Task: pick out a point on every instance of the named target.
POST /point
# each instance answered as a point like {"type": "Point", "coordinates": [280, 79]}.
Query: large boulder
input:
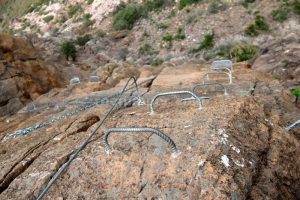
{"type": "Point", "coordinates": [113, 73]}
{"type": "Point", "coordinates": [23, 74]}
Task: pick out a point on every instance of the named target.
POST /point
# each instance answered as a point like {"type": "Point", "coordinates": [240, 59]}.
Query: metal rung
{"type": "Point", "coordinates": [166, 138]}
{"type": "Point", "coordinates": [174, 93]}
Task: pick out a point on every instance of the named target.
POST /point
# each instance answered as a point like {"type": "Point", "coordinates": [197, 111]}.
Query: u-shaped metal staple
{"type": "Point", "coordinates": [175, 93]}
{"type": "Point", "coordinates": [204, 84]}
{"type": "Point", "coordinates": [227, 73]}
{"type": "Point", "coordinates": [166, 138]}
{"type": "Point", "coordinates": [294, 125]}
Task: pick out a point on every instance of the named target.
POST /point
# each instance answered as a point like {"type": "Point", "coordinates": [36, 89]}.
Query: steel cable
{"type": "Point", "coordinates": [82, 146]}
{"type": "Point", "coordinates": [24, 131]}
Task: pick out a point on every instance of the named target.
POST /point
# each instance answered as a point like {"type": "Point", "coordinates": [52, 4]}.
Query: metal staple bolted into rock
{"type": "Point", "coordinates": [228, 74]}
{"type": "Point", "coordinates": [205, 97]}
{"type": "Point", "coordinates": [174, 93]}
{"type": "Point", "coordinates": [152, 130]}
{"type": "Point", "coordinates": [294, 125]}
{"type": "Point", "coordinates": [205, 84]}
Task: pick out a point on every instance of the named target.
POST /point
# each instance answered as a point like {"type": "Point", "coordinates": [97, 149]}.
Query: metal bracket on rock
{"type": "Point", "coordinates": [294, 125]}
{"type": "Point", "coordinates": [174, 93]}
{"type": "Point", "coordinates": [227, 73]}
{"type": "Point", "coordinates": [166, 138]}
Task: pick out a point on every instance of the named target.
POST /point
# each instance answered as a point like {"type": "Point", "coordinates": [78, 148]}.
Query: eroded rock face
{"type": "Point", "coordinates": [23, 75]}
{"type": "Point", "coordinates": [113, 73]}
{"type": "Point", "coordinates": [281, 58]}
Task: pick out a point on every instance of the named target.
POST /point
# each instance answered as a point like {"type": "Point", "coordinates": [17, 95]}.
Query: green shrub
{"type": "Point", "coordinates": [172, 14]}
{"type": "Point", "coordinates": [251, 30]}
{"type": "Point", "coordinates": [246, 3]}
{"type": "Point", "coordinates": [296, 92]}
{"type": "Point", "coordinates": [243, 52]}
{"type": "Point", "coordinates": [73, 9]}
{"type": "Point", "coordinates": [261, 23]}
{"type": "Point", "coordinates": [216, 6]}
{"type": "Point", "coordinates": [207, 43]}
{"type": "Point", "coordinates": [155, 5]}
{"type": "Point", "coordinates": [184, 3]}
{"type": "Point", "coordinates": [36, 5]}
{"type": "Point", "coordinates": [162, 26]}
{"type": "Point", "coordinates": [157, 62]}
{"type": "Point", "coordinates": [147, 49]}
{"type": "Point", "coordinates": [281, 14]}
{"type": "Point", "coordinates": [86, 20]}
{"type": "Point", "coordinates": [168, 39]}
{"type": "Point", "coordinates": [69, 50]}
{"type": "Point", "coordinates": [126, 15]}
{"type": "Point", "coordinates": [62, 19]}
{"type": "Point", "coordinates": [180, 35]}
{"type": "Point", "coordinates": [89, 2]}
{"type": "Point", "coordinates": [82, 40]}
{"type": "Point", "coordinates": [48, 18]}
{"type": "Point", "coordinates": [296, 7]}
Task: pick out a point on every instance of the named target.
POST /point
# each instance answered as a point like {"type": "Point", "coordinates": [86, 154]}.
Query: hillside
{"type": "Point", "coordinates": [264, 32]}
{"type": "Point", "coordinates": [74, 123]}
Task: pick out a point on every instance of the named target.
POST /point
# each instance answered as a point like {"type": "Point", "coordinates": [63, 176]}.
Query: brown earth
{"type": "Point", "coordinates": [236, 147]}
{"type": "Point", "coordinates": [24, 76]}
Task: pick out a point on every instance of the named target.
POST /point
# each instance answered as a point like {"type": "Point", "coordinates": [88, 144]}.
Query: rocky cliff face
{"type": "Point", "coordinates": [236, 147]}
{"type": "Point", "coordinates": [24, 76]}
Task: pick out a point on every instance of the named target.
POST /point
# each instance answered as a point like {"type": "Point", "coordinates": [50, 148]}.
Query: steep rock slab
{"type": "Point", "coordinates": [23, 75]}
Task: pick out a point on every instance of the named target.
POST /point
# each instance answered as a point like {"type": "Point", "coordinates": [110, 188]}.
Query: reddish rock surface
{"type": "Point", "coordinates": [235, 148]}
{"type": "Point", "coordinates": [23, 74]}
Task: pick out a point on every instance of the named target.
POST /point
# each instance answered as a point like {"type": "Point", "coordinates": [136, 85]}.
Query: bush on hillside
{"type": "Point", "coordinates": [180, 35]}
{"type": "Point", "coordinates": [147, 49]}
{"type": "Point", "coordinates": [296, 6]}
{"type": "Point", "coordinates": [207, 43]}
{"type": "Point", "coordinates": [296, 93]}
{"type": "Point", "coordinates": [157, 62]}
{"type": "Point", "coordinates": [82, 40]}
{"type": "Point", "coordinates": [73, 9]}
{"type": "Point", "coordinates": [243, 52]}
{"type": "Point", "coordinates": [184, 3]}
{"type": "Point", "coordinates": [126, 15]}
{"type": "Point", "coordinates": [48, 18]}
{"type": "Point", "coordinates": [259, 24]}
{"type": "Point", "coordinates": [89, 2]}
{"type": "Point", "coordinates": [168, 39]}
{"type": "Point", "coordinates": [281, 14]}
{"type": "Point", "coordinates": [69, 50]}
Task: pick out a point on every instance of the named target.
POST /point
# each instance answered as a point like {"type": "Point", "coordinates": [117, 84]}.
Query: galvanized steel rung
{"type": "Point", "coordinates": [204, 84]}
{"type": "Point", "coordinates": [294, 125]}
{"type": "Point", "coordinates": [228, 74]}
{"type": "Point", "coordinates": [166, 138]}
{"type": "Point", "coordinates": [174, 93]}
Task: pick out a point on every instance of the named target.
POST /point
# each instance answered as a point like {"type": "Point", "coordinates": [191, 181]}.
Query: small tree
{"type": "Point", "coordinates": [69, 50]}
{"type": "Point", "coordinates": [296, 92]}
